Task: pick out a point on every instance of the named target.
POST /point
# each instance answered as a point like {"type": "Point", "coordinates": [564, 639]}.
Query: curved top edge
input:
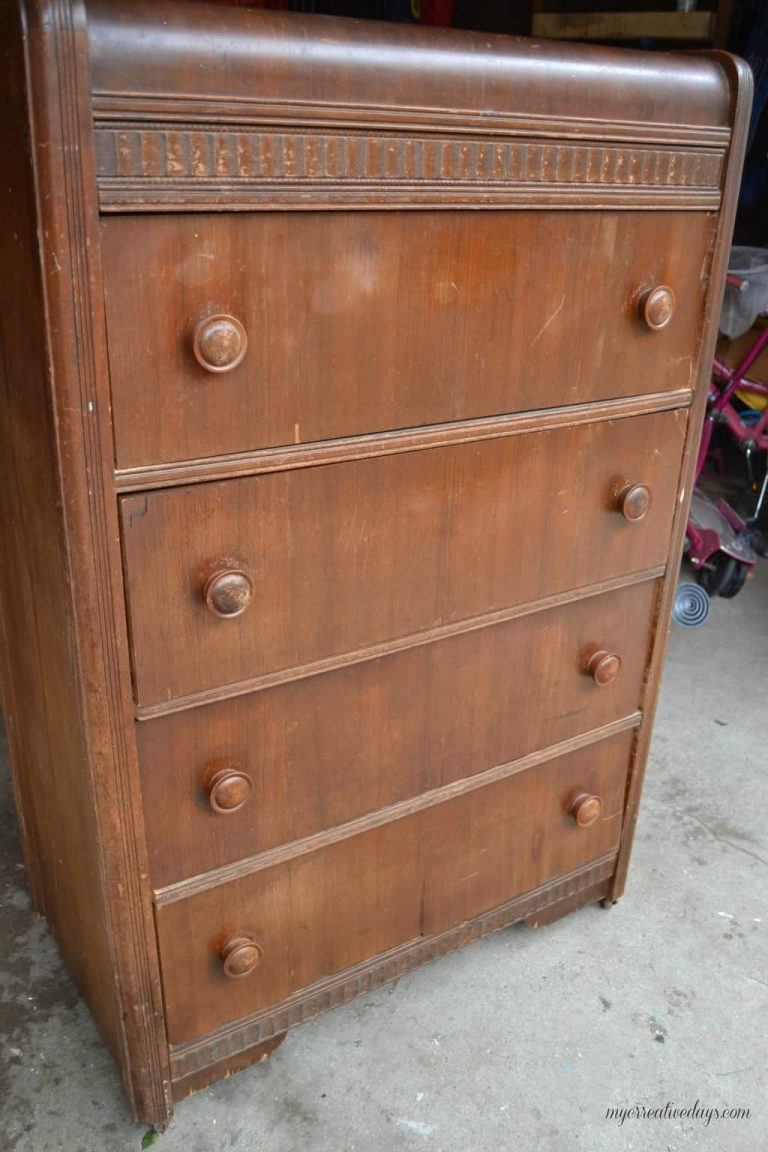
{"type": "Point", "coordinates": [206, 52]}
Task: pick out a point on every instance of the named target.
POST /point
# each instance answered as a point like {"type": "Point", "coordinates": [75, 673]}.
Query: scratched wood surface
{"type": "Point", "coordinates": [367, 322]}
{"type": "Point", "coordinates": [324, 401]}
{"type": "Point", "coordinates": [360, 554]}
{"type": "Point", "coordinates": [486, 700]}
{"type": "Point", "coordinates": [415, 876]}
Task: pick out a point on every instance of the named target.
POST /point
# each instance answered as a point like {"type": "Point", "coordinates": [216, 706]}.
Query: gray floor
{"type": "Point", "coordinates": [523, 1040]}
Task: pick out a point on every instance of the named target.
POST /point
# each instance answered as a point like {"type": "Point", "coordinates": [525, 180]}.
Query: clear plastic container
{"type": "Point", "coordinates": [741, 307]}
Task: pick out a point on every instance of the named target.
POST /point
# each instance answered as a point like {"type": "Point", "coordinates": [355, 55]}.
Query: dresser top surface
{"type": "Point", "coordinates": [161, 48]}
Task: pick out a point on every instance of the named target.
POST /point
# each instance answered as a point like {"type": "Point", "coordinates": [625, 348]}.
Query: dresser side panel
{"type": "Point", "coordinates": [740, 81]}
{"type": "Point", "coordinates": [64, 694]}
{"type": "Point", "coordinates": [40, 677]}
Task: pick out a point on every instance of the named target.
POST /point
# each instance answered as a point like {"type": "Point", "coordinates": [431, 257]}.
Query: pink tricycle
{"type": "Point", "coordinates": [720, 545]}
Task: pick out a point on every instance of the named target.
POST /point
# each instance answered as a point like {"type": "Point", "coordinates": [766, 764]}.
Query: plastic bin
{"type": "Point", "coordinates": [741, 307]}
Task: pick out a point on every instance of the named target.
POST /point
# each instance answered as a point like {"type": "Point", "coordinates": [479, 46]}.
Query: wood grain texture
{"type": "Point", "coordinates": [231, 1041]}
{"type": "Point", "coordinates": [423, 875]}
{"type": "Point", "coordinates": [268, 680]}
{"type": "Point", "coordinates": [249, 865]}
{"type": "Point", "coordinates": [741, 87]}
{"type": "Point", "coordinates": [363, 324]}
{"type": "Point", "coordinates": [442, 711]}
{"type": "Point", "coordinates": [27, 479]}
{"type": "Point", "coordinates": [232, 465]}
{"type": "Point", "coordinates": [207, 1073]}
{"type": "Point", "coordinates": [191, 112]}
{"type": "Point", "coordinates": [188, 56]}
{"type": "Point", "coordinates": [373, 555]}
{"type": "Point", "coordinates": [469, 538]}
{"type": "Point", "coordinates": [65, 686]}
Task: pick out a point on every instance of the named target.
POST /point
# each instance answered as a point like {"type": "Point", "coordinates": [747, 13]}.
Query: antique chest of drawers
{"type": "Point", "coordinates": [350, 379]}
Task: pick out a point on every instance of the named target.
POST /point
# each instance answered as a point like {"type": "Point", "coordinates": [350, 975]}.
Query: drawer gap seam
{"type": "Point", "coordinates": [270, 858]}
{"type": "Point", "coordinates": [393, 442]}
{"type": "Point", "coordinates": [275, 679]}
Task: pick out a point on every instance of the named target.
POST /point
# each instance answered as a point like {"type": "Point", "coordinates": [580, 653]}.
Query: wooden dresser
{"type": "Point", "coordinates": [349, 377]}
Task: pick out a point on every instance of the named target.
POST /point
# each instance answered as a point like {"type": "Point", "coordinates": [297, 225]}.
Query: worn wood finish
{"type": "Point", "coordinates": [488, 699]}
{"type": "Point", "coordinates": [44, 721]}
{"type": "Point", "coordinates": [343, 347]}
{"type": "Point", "coordinates": [338, 646]}
{"type": "Point", "coordinates": [204, 1073]}
{"type": "Point", "coordinates": [389, 647]}
{"type": "Point", "coordinates": [741, 86]}
{"type": "Point", "coordinates": [418, 876]}
{"type": "Point", "coordinates": [66, 680]}
{"type": "Point", "coordinates": [255, 463]}
{"type": "Point", "coordinates": [229, 1043]}
{"type": "Point", "coordinates": [468, 536]}
{"type": "Point", "coordinates": [170, 56]}
{"type": "Point", "coordinates": [142, 167]}
{"type": "Point", "coordinates": [248, 865]}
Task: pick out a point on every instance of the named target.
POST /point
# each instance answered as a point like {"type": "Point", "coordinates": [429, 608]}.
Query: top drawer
{"type": "Point", "coordinates": [365, 322]}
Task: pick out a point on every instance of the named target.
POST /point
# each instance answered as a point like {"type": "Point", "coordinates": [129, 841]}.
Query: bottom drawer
{"type": "Point", "coordinates": [319, 913]}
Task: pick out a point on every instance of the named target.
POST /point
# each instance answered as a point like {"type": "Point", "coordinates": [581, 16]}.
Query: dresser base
{"type": "Point", "coordinates": [252, 1038]}
{"type": "Point", "coordinates": [210, 1073]}
{"type": "Point", "coordinates": [596, 893]}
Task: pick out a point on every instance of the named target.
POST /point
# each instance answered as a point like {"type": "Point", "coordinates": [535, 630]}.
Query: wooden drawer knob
{"type": "Point", "coordinates": [227, 787]}
{"type": "Point", "coordinates": [634, 502]}
{"type": "Point", "coordinates": [657, 307]}
{"type": "Point", "coordinates": [228, 592]}
{"type": "Point", "coordinates": [241, 955]}
{"type": "Point", "coordinates": [585, 809]}
{"type": "Point", "coordinates": [604, 667]}
{"type": "Point", "coordinates": [219, 343]}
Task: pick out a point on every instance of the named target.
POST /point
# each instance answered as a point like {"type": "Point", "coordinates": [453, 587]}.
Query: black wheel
{"type": "Point", "coordinates": [760, 541]}
{"type": "Point", "coordinates": [736, 582]}
{"type": "Point", "coordinates": [717, 572]}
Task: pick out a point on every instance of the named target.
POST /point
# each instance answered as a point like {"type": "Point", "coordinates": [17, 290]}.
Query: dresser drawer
{"type": "Point", "coordinates": [323, 562]}
{"type": "Point", "coordinates": [233, 779]}
{"type": "Point", "coordinates": [363, 322]}
{"type": "Point", "coordinates": [319, 913]}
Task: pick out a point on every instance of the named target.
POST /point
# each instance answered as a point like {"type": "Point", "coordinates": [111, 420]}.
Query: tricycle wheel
{"type": "Point", "coordinates": [736, 582]}
{"type": "Point", "coordinates": [717, 573]}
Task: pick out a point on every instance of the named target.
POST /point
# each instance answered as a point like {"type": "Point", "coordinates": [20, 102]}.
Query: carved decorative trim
{"type": "Point", "coordinates": [142, 166]}
{"type": "Point", "coordinates": [232, 1039]}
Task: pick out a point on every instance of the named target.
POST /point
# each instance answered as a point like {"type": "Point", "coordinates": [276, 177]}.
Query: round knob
{"type": "Point", "coordinates": [241, 955]}
{"type": "Point", "coordinates": [585, 809]}
{"type": "Point", "coordinates": [657, 307]}
{"type": "Point", "coordinates": [604, 667]}
{"type": "Point", "coordinates": [227, 787]}
{"type": "Point", "coordinates": [219, 343]}
{"type": "Point", "coordinates": [228, 592]}
{"type": "Point", "coordinates": [634, 501]}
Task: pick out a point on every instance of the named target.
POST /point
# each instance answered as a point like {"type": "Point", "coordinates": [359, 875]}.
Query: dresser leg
{"type": "Point", "coordinates": [615, 888]}
{"type": "Point", "coordinates": [204, 1077]}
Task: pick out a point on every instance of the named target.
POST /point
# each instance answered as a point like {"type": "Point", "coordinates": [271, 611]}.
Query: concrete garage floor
{"type": "Point", "coordinates": [521, 1041]}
